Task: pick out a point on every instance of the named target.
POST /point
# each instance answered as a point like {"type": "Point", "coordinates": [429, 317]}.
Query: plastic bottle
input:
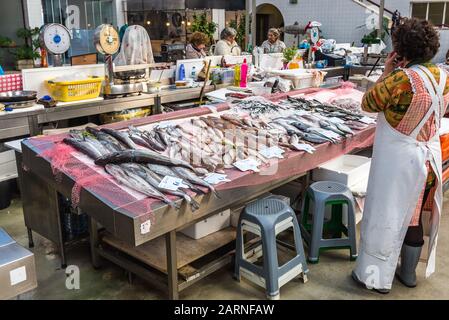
{"type": "Point", "coordinates": [237, 75]}
{"type": "Point", "coordinates": [182, 72]}
{"type": "Point", "coordinates": [193, 73]}
{"type": "Point", "coordinates": [243, 74]}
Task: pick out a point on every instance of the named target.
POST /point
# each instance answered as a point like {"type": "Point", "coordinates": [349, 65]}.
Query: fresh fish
{"type": "Point", "coordinates": [332, 127]}
{"type": "Point", "coordinates": [154, 180]}
{"type": "Point", "coordinates": [344, 128]}
{"type": "Point", "coordinates": [200, 171]}
{"type": "Point", "coordinates": [137, 137]}
{"type": "Point", "coordinates": [313, 138]}
{"type": "Point", "coordinates": [84, 147]}
{"type": "Point", "coordinates": [189, 175]}
{"type": "Point", "coordinates": [97, 145]}
{"type": "Point", "coordinates": [132, 180]}
{"type": "Point", "coordinates": [166, 171]}
{"type": "Point", "coordinates": [290, 129]}
{"type": "Point", "coordinates": [111, 143]}
{"type": "Point", "coordinates": [141, 156]}
{"type": "Point", "coordinates": [123, 137]}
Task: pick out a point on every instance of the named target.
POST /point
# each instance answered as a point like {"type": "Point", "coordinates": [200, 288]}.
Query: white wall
{"type": "Point", "coordinates": [340, 18]}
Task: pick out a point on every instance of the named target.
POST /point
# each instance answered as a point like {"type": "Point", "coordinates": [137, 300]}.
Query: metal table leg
{"type": "Point", "coordinates": [157, 105]}
{"type": "Point", "coordinates": [61, 242]}
{"type": "Point", "coordinates": [172, 265]}
{"type": "Point", "coordinates": [30, 238]}
{"type": "Point", "coordinates": [94, 242]}
{"type": "Point", "coordinates": [33, 125]}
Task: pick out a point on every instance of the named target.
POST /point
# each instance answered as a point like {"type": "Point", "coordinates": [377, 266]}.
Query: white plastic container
{"type": "Point", "coordinates": [208, 226]}
{"type": "Point", "coordinates": [347, 169]}
{"type": "Point", "coordinates": [8, 167]}
{"type": "Point", "coordinates": [300, 78]}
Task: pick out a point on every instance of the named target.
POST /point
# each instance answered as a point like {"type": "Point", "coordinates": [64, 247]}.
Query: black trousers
{"type": "Point", "coordinates": [415, 235]}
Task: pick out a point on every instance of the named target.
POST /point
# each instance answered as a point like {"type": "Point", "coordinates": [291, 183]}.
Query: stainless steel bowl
{"type": "Point", "coordinates": [17, 96]}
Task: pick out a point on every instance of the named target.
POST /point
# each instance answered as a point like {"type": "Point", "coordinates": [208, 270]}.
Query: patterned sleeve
{"type": "Point", "coordinates": [383, 94]}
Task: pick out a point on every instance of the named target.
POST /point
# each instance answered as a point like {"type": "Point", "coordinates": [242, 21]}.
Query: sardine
{"type": "Point", "coordinates": [192, 177]}
{"type": "Point", "coordinates": [344, 128]}
{"type": "Point", "coordinates": [141, 156]}
{"type": "Point", "coordinates": [134, 181]}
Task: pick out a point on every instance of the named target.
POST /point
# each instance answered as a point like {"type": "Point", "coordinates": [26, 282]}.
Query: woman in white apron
{"type": "Point", "coordinates": [406, 161]}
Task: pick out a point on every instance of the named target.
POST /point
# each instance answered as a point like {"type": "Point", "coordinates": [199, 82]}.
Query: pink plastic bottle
{"type": "Point", "coordinates": [243, 74]}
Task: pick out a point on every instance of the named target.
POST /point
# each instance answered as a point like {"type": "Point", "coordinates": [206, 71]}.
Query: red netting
{"type": "Point", "coordinates": [65, 160]}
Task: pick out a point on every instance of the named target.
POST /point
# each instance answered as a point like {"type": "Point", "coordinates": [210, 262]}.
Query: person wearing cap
{"type": "Point", "coordinates": [273, 44]}
{"type": "Point", "coordinates": [227, 45]}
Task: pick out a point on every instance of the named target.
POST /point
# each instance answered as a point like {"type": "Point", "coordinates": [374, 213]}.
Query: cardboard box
{"type": "Point", "coordinates": [17, 268]}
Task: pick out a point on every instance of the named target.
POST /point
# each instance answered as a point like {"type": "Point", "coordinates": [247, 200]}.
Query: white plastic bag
{"type": "Point", "coordinates": [135, 48]}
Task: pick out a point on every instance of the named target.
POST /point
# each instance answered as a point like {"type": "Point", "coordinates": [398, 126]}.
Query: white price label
{"type": "Point", "coordinates": [272, 152]}
{"type": "Point", "coordinates": [145, 227]}
{"type": "Point", "coordinates": [367, 120]}
{"type": "Point", "coordinates": [305, 147]}
{"type": "Point", "coordinates": [171, 183]}
{"type": "Point", "coordinates": [216, 178]}
{"type": "Point", "coordinates": [247, 165]}
{"type": "Point", "coordinates": [18, 275]}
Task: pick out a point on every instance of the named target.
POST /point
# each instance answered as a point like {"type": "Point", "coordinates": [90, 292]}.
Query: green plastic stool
{"type": "Point", "coordinates": [335, 195]}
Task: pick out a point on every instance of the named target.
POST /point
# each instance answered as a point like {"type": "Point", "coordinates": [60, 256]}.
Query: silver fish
{"type": "Point", "coordinates": [166, 171]}
{"type": "Point", "coordinates": [189, 175]}
{"type": "Point", "coordinates": [135, 182]}
{"type": "Point", "coordinates": [123, 137]}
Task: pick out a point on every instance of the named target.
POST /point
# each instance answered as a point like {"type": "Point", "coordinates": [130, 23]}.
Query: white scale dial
{"type": "Point", "coordinates": [56, 38]}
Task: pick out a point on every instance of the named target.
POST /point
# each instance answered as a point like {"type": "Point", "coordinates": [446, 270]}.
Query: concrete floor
{"type": "Point", "coordinates": [330, 279]}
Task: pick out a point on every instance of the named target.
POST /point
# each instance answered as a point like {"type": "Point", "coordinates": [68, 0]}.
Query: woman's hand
{"type": "Point", "coordinates": [390, 65]}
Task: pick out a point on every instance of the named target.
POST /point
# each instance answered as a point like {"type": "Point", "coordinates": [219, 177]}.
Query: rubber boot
{"type": "Point", "coordinates": [360, 283]}
{"type": "Point", "coordinates": [406, 274]}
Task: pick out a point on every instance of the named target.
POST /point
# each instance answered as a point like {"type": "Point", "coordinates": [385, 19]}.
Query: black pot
{"type": "Point", "coordinates": [5, 194]}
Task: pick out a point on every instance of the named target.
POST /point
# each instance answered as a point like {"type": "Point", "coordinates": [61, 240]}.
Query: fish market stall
{"type": "Point", "coordinates": [116, 175]}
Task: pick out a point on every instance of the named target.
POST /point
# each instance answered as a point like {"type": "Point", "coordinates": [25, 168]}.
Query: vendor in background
{"type": "Point", "coordinates": [195, 49]}
{"type": "Point", "coordinates": [273, 44]}
{"type": "Point", "coordinates": [410, 98]}
{"type": "Point", "coordinates": [227, 45]}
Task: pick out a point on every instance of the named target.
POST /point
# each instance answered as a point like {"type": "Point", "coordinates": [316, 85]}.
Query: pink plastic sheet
{"type": "Point", "coordinates": [65, 160]}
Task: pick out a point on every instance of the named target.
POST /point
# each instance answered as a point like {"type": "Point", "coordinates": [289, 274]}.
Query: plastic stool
{"type": "Point", "coordinates": [267, 218]}
{"type": "Point", "coordinates": [336, 195]}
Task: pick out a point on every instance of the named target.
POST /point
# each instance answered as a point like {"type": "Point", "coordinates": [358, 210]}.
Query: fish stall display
{"type": "Point", "coordinates": [191, 149]}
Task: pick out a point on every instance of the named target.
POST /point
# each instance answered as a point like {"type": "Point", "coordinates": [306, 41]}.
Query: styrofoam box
{"type": "Point", "coordinates": [208, 226]}
{"type": "Point", "coordinates": [8, 167]}
{"type": "Point", "coordinates": [347, 169]}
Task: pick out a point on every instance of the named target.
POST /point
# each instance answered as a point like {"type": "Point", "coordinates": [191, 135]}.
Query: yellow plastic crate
{"type": "Point", "coordinates": [67, 91]}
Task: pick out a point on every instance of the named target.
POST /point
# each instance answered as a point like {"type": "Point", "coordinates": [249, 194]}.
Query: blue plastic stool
{"type": "Point", "coordinates": [334, 194]}
{"type": "Point", "coordinates": [267, 218]}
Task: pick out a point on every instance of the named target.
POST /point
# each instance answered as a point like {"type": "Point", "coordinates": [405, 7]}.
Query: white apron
{"type": "Point", "coordinates": [397, 177]}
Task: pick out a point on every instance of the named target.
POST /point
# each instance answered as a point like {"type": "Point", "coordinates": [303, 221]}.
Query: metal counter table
{"type": "Point", "coordinates": [124, 223]}
{"type": "Point", "coordinates": [29, 122]}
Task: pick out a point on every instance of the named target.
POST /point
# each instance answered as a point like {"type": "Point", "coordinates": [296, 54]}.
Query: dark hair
{"type": "Point", "coordinates": [198, 38]}
{"type": "Point", "coordinates": [416, 39]}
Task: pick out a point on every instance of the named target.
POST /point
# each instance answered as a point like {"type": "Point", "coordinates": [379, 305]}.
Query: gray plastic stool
{"type": "Point", "coordinates": [267, 218]}
{"type": "Point", "coordinates": [324, 193]}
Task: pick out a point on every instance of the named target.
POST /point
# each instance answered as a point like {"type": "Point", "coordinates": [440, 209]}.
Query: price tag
{"type": "Point", "coordinates": [145, 227]}
{"type": "Point", "coordinates": [305, 147]}
{"type": "Point", "coordinates": [367, 120]}
{"type": "Point", "coordinates": [336, 120]}
{"type": "Point", "coordinates": [216, 178]}
{"type": "Point", "coordinates": [272, 152]}
{"type": "Point", "coordinates": [249, 164]}
{"type": "Point", "coordinates": [18, 275]}
{"type": "Point", "coordinates": [165, 124]}
{"type": "Point", "coordinates": [171, 183]}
